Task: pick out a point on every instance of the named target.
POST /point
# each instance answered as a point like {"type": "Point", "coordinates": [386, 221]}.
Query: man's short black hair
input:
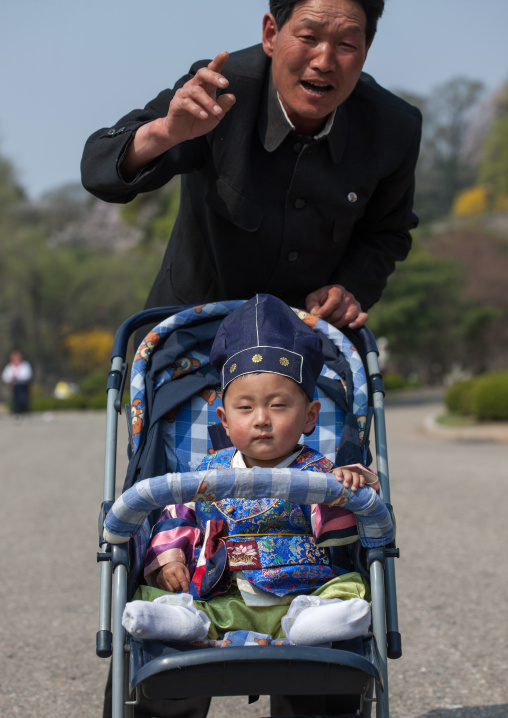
{"type": "Point", "coordinates": [373, 9]}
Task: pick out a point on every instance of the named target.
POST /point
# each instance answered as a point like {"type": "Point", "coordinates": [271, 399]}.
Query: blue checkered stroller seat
{"type": "Point", "coordinates": [173, 399]}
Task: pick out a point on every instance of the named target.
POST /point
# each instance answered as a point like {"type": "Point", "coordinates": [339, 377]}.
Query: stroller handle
{"type": "Point", "coordinates": [147, 316]}
{"type": "Point", "coordinates": [128, 513]}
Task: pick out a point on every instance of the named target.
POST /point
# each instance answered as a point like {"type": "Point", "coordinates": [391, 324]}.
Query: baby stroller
{"type": "Point", "coordinates": [174, 424]}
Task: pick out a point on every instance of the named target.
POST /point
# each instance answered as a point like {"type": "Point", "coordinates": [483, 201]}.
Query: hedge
{"type": "Point", "coordinates": [485, 397]}
{"type": "Point", "coordinates": [76, 402]}
{"type": "Point", "coordinates": [490, 397]}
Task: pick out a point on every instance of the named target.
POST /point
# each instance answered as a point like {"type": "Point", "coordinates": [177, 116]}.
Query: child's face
{"type": "Point", "coordinates": [264, 415]}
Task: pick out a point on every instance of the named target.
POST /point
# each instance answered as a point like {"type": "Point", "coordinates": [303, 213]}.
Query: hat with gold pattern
{"type": "Point", "coordinates": [265, 335]}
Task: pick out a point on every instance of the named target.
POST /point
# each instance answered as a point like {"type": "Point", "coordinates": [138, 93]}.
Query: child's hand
{"type": "Point", "coordinates": [350, 478]}
{"type": "Point", "coordinates": [174, 577]}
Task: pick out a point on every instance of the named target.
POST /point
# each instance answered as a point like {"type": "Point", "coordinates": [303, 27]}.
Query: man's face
{"type": "Point", "coordinates": [317, 57]}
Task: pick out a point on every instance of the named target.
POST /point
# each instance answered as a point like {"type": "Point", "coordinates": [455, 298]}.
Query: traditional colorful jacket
{"type": "Point", "coordinates": [270, 540]}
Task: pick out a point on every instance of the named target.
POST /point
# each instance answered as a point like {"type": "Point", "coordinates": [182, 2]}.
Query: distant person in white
{"type": "Point", "coordinates": [18, 374]}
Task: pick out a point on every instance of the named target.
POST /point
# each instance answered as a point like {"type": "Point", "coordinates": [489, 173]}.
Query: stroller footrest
{"type": "Point", "coordinates": [166, 671]}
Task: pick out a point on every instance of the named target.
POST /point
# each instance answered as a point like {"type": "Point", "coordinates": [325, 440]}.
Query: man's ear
{"type": "Point", "coordinates": [312, 416]}
{"type": "Point", "coordinates": [270, 33]}
{"type": "Point", "coordinates": [222, 416]}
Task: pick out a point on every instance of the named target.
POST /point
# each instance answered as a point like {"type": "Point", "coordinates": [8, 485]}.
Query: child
{"type": "Point", "coordinates": [252, 568]}
{"type": "Point", "coordinates": [18, 373]}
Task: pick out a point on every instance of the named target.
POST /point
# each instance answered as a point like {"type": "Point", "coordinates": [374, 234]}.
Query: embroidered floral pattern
{"type": "Point", "coordinates": [243, 555]}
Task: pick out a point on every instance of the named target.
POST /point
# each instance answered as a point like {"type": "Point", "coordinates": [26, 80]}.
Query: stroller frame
{"type": "Point", "coordinates": [279, 661]}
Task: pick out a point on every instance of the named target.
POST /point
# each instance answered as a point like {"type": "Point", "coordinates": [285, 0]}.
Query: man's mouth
{"type": "Point", "coordinates": [317, 88]}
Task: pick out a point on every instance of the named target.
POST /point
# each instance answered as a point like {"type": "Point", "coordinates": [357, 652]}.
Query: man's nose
{"type": "Point", "coordinates": [324, 58]}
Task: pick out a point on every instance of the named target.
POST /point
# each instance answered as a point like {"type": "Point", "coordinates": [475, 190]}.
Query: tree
{"type": "Point", "coordinates": [10, 191]}
{"type": "Point", "coordinates": [443, 167]}
{"type": "Point", "coordinates": [429, 323]}
{"type": "Point", "coordinates": [493, 170]}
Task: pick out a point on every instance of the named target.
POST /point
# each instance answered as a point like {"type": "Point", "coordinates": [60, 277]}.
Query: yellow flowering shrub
{"type": "Point", "coordinates": [472, 201]}
{"type": "Point", "coordinates": [89, 350]}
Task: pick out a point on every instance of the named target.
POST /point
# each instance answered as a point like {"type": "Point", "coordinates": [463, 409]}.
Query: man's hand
{"type": "Point", "coordinates": [337, 306]}
{"type": "Point", "coordinates": [350, 478]}
{"type": "Point", "coordinates": [173, 577]}
{"type": "Point", "coordinates": [194, 110]}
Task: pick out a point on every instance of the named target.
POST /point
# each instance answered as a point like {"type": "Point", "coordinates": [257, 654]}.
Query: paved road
{"type": "Point", "coordinates": [452, 584]}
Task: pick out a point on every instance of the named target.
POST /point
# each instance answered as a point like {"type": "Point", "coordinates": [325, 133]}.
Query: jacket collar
{"type": "Point", "coordinates": [274, 126]}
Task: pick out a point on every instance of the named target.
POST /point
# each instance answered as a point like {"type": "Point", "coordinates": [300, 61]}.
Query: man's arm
{"type": "Point", "coordinates": [194, 110]}
{"type": "Point", "coordinates": [102, 165]}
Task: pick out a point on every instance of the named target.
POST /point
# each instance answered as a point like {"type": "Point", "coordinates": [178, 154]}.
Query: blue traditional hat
{"type": "Point", "coordinates": [265, 335]}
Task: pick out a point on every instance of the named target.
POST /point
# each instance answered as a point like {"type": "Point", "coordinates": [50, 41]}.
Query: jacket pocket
{"type": "Point", "coordinates": [234, 207]}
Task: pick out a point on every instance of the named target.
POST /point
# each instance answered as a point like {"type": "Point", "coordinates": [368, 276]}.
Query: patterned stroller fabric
{"type": "Point", "coordinates": [186, 338]}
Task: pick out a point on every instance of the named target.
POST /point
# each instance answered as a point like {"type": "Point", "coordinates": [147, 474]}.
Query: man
{"type": "Point", "coordinates": [297, 180]}
{"type": "Point", "coordinates": [297, 170]}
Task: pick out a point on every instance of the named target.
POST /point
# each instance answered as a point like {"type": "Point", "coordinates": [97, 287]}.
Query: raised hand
{"type": "Point", "coordinates": [194, 110]}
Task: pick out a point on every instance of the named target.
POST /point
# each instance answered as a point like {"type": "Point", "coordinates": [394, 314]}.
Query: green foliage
{"type": "Point", "coordinates": [493, 170]}
{"type": "Point", "coordinates": [490, 397]}
{"type": "Point", "coordinates": [10, 192]}
{"type": "Point", "coordinates": [484, 397]}
{"type": "Point", "coordinates": [49, 293]}
{"type": "Point", "coordinates": [91, 395]}
{"type": "Point", "coordinates": [155, 213]}
{"type": "Point", "coordinates": [458, 397]}
{"type": "Point", "coordinates": [77, 402]}
{"type": "Point", "coordinates": [94, 383]}
{"type": "Point", "coordinates": [393, 380]}
{"type": "Point", "coordinates": [426, 318]}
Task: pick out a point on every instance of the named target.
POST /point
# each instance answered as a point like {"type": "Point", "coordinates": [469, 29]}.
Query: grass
{"type": "Point", "coordinates": [455, 419]}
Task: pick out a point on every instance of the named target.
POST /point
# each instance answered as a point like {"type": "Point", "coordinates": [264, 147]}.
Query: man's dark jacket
{"type": "Point", "coordinates": [284, 220]}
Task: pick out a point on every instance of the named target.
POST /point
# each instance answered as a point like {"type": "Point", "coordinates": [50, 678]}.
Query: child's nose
{"type": "Point", "coordinates": [262, 417]}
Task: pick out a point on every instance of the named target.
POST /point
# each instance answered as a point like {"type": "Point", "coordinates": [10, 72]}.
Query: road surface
{"type": "Point", "coordinates": [450, 499]}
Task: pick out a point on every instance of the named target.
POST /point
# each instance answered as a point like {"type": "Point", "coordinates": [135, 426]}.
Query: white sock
{"type": "Point", "coordinates": [314, 621]}
{"type": "Point", "coordinates": [168, 618]}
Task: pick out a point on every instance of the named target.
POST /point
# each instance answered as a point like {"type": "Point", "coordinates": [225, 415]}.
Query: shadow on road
{"type": "Point", "coordinates": [499, 711]}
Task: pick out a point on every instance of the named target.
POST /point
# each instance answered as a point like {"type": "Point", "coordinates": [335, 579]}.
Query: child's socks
{"type": "Point", "coordinates": [314, 621]}
{"type": "Point", "coordinates": [169, 618]}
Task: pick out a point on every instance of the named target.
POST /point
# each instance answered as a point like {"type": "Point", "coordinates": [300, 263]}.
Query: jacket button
{"type": "Point", "coordinates": [292, 256]}
{"type": "Point", "coordinates": [230, 509]}
{"type": "Point", "coordinates": [299, 203]}
{"type": "Point", "coordinates": [297, 148]}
